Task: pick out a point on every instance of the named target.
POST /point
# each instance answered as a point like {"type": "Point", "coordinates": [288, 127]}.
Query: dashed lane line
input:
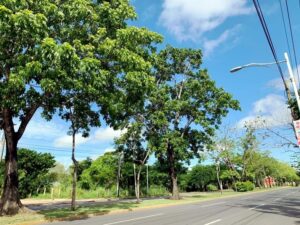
{"type": "Point", "coordinates": [134, 219]}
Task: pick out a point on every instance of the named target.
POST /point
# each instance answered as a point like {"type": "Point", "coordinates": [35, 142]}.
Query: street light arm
{"type": "Point", "coordinates": [235, 69]}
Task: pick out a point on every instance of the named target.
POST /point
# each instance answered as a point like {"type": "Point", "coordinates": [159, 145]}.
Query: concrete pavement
{"type": "Point", "coordinates": [279, 207]}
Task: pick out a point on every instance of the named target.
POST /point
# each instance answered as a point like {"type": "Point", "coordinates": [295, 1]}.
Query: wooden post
{"type": "Point", "coordinates": [52, 193]}
{"type": "Point", "coordinates": [147, 179]}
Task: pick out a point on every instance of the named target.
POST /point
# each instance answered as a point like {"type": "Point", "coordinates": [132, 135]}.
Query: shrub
{"type": "Point", "coordinates": [244, 186]}
{"type": "Point", "coordinates": [156, 190]}
{"type": "Point", "coordinates": [211, 187]}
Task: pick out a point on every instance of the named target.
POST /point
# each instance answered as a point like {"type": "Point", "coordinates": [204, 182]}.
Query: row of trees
{"type": "Point", "coordinates": [39, 173]}
{"type": "Point", "coordinates": [80, 60]}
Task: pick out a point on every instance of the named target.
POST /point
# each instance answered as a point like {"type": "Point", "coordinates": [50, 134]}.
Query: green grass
{"type": "Point", "coordinates": [65, 193]}
{"type": "Point", "coordinates": [83, 212]}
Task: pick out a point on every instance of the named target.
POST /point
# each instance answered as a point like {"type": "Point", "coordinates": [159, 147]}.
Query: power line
{"type": "Point", "coordinates": [292, 38]}
{"type": "Point", "coordinates": [51, 149]}
{"type": "Point", "coordinates": [284, 25]}
{"type": "Point", "coordinates": [269, 39]}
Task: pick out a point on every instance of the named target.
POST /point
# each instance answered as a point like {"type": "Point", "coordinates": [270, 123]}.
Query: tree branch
{"type": "Point", "coordinates": [187, 126]}
{"type": "Point", "coordinates": [176, 120]}
{"type": "Point", "coordinates": [25, 120]}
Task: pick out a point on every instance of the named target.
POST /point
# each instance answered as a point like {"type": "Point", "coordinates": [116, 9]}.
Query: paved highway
{"type": "Point", "coordinates": [280, 207]}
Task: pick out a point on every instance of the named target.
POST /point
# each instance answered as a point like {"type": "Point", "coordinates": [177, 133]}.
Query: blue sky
{"type": "Point", "coordinates": [229, 34]}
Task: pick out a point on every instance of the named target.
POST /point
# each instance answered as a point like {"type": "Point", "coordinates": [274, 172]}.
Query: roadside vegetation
{"type": "Point", "coordinates": [81, 61]}
{"type": "Point", "coordinates": [99, 178]}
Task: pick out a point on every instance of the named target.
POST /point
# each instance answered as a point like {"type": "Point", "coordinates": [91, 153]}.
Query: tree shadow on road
{"type": "Point", "coordinates": [84, 212]}
{"type": "Point", "coordinates": [288, 207]}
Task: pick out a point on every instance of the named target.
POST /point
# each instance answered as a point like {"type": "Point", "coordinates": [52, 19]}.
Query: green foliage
{"type": "Point", "coordinates": [201, 177]}
{"type": "Point", "coordinates": [212, 187]}
{"type": "Point", "coordinates": [33, 171]}
{"type": "Point", "coordinates": [62, 177]}
{"type": "Point", "coordinates": [83, 165]}
{"type": "Point", "coordinates": [65, 47]}
{"type": "Point", "coordinates": [184, 109]}
{"type": "Point", "coordinates": [244, 186]}
{"type": "Point", "coordinates": [229, 175]}
{"type": "Point", "coordinates": [101, 173]}
{"type": "Point", "coordinates": [156, 191]}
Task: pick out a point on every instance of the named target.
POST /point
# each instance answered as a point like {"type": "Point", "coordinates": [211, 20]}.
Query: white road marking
{"type": "Point", "coordinates": [219, 203]}
{"type": "Point", "coordinates": [256, 206]}
{"type": "Point", "coordinates": [277, 199]}
{"type": "Point", "coordinates": [246, 198]}
{"type": "Point", "coordinates": [138, 218]}
{"type": "Point", "coordinates": [216, 221]}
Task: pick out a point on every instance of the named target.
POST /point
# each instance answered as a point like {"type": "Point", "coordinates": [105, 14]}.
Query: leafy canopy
{"type": "Point", "coordinates": [51, 51]}
{"type": "Point", "coordinates": [186, 107]}
{"type": "Point", "coordinates": [33, 170]}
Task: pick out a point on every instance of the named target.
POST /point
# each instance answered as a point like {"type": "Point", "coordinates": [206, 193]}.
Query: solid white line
{"type": "Point", "coordinates": [139, 218]}
{"type": "Point", "coordinates": [216, 221]}
{"type": "Point", "coordinates": [219, 203]}
{"type": "Point", "coordinates": [256, 206]}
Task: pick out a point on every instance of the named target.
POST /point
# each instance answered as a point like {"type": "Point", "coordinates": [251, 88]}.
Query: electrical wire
{"type": "Point", "coordinates": [292, 38]}
{"type": "Point", "coordinates": [285, 30]}
{"type": "Point", "coordinates": [269, 39]}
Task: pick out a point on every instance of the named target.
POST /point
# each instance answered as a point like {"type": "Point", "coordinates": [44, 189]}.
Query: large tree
{"type": "Point", "coordinates": [184, 110]}
{"type": "Point", "coordinates": [48, 48]}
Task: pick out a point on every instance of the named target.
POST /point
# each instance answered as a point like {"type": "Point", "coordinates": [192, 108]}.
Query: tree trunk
{"type": "Point", "coordinates": [173, 174]}
{"type": "Point", "coordinates": [137, 186]}
{"type": "Point", "coordinates": [175, 191]}
{"type": "Point", "coordinates": [234, 183]}
{"type": "Point", "coordinates": [73, 203]}
{"type": "Point", "coordinates": [118, 175]}
{"type": "Point", "coordinates": [10, 203]}
{"type": "Point", "coordinates": [218, 178]}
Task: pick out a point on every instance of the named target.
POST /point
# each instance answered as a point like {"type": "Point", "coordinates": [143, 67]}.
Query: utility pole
{"type": "Point", "coordinates": [2, 146]}
{"type": "Point", "coordinates": [292, 79]}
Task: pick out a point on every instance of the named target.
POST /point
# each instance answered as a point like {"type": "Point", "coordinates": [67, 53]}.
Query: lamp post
{"type": "Point", "coordinates": [235, 69]}
{"type": "Point", "coordinates": [291, 75]}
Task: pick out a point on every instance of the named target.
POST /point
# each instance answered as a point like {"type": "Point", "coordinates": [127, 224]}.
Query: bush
{"type": "Point", "coordinates": [156, 190]}
{"type": "Point", "coordinates": [211, 187]}
{"type": "Point", "coordinates": [244, 186]}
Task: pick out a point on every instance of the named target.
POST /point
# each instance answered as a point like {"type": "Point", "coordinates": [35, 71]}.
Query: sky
{"type": "Point", "coordinates": [229, 34]}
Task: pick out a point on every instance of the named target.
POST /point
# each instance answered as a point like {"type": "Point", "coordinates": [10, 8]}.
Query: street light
{"type": "Point", "coordinates": [235, 69]}
{"type": "Point", "coordinates": [287, 61]}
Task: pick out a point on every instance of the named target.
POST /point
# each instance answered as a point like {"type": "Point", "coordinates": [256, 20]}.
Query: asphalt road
{"type": "Point", "coordinates": [280, 207]}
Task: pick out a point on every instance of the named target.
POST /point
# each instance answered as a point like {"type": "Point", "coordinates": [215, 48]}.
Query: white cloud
{"type": "Point", "coordinates": [271, 111]}
{"type": "Point", "coordinates": [109, 150]}
{"type": "Point", "coordinates": [107, 134]}
{"type": "Point", "coordinates": [210, 45]}
{"type": "Point", "coordinates": [39, 129]}
{"type": "Point", "coordinates": [277, 84]}
{"type": "Point", "coordinates": [66, 141]}
{"type": "Point", "coordinates": [189, 20]}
